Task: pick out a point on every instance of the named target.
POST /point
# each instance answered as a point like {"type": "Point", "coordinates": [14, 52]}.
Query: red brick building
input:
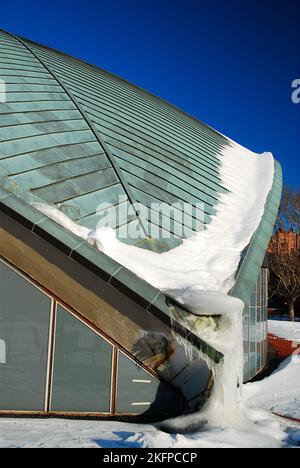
{"type": "Point", "coordinates": [284, 242]}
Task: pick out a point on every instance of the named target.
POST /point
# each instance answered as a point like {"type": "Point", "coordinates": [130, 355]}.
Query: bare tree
{"type": "Point", "coordinates": [285, 250]}
{"type": "Point", "coordinates": [289, 211]}
{"type": "Point", "coordinates": [286, 280]}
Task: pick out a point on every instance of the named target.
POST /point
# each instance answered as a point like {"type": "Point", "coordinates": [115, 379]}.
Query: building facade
{"type": "Point", "coordinates": [79, 333]}
{"type": "Point", "coordinates": [285, 242]}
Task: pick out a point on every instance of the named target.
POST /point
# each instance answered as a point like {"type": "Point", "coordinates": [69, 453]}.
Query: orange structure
{"type": "Point", "coordinates": [282, 347]}
{"type": "Point", "coordinates": [284, 242]}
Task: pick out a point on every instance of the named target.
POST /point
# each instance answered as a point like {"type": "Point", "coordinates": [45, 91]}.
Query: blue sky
{"type": "Point", "coordinates": [228, 62]}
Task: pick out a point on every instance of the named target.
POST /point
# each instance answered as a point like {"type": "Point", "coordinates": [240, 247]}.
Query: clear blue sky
{"type": "Point", "coordinates": [228, 62]}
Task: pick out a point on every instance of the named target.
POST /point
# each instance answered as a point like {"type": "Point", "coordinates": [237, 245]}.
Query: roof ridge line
{"type": "Point", "coordinates": [91, 126]}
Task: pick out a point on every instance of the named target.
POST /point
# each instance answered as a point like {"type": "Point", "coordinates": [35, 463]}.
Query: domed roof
{"type": "Point", "coordinates": [76, 137]}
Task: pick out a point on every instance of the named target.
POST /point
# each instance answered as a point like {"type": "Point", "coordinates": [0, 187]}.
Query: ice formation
{"type": "Point", "coordinates": [200, 273]}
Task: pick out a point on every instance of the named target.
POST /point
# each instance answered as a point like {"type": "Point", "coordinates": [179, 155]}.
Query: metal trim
{"type": "Point", "coordinates": [114, 380]}
{"type": "Point", "coordinates": [25, 277]}
{"type": "Point", "coordinates": [50, 362]}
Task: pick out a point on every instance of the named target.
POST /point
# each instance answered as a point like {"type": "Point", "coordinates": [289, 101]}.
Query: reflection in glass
{"type": "Point", "coordinates": [24, 329]}
{"type": "Point", "coordinates": [82, 367]}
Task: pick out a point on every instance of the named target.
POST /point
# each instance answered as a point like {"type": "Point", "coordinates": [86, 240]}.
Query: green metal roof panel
{"type": "Point", "coordinates": [149, 139]}
{"type": "Point", "coordinates": [153, 151]}
{"type": "Point", "coordinates": [48, 150]}
{"type": "Point", "coordinates": [157, 152]}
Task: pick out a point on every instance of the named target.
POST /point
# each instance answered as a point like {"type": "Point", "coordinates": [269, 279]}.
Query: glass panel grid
{"type": "Point", "coordinates": [255, 327]}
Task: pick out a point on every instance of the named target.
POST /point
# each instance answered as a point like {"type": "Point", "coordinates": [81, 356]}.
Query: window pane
{"type": "Point", "coordinates": [24, 329]}
{"type": "Point", "coordinates": [82, 367]}
{"type": "Point", "coordinates": [139, 393]}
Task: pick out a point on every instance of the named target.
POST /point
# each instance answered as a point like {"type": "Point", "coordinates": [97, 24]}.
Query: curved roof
{"type": "Point", "coordinates": [73, 135]}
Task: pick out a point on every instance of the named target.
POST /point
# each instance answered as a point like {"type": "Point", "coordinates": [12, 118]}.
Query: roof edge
{"type": "Point", "coordinates": [249, 270]}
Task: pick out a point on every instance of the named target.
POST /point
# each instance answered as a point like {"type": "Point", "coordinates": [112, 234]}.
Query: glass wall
{"type": "Point", "coordinates": [24, 333]}
{"type": "Point", "coordinates": [139, 392]}
{"type": "Point", "coordinates": [52, 361]}
{"type": "Point", "coordinates": [82, 367]}
{"type": "Point", "coordinates": [255, 327]}
{"type": "Point", "coordinates": [80, 378]}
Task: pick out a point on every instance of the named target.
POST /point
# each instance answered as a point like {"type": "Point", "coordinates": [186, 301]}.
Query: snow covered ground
{"type": "Point", "coordinates": [287, 330]}
{"type": "Point", "coordinates": [279, 393]}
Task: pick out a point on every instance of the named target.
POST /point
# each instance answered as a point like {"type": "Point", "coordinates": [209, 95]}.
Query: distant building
{"type": "Point", "coordinates": [285, 241]}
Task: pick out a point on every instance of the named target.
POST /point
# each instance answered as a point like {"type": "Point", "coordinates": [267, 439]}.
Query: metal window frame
{"type": "Point", "coordinates": [50, 363]}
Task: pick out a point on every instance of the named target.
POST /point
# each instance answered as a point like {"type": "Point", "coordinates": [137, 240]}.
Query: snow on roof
{"type": "Point", "coordinates": [204, 266]}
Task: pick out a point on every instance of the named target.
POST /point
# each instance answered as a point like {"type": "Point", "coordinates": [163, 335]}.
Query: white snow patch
{"type": "Point", "coordinates": [279, 393]}
{"type": "Point", "coordinates": [289, 331]}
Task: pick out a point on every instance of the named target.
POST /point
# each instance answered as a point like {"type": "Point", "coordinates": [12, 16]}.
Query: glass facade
{"type": "Point", "coordinates": [24, 334]}
{"type": "Point", "coordinates": [255, 327]}
{"type": "Point", "coordinates": [51, 360]}
{"type": "Point", "coordinates": [82, 367]}
{"type": "Point", "coordinates": [139, 392]}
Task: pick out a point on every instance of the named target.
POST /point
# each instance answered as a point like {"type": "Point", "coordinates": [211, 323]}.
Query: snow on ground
{"type": "Point", "coordinates": [84, 434]}
{"type": "Point", "coordinates": [280, 393]}
{"type": "Point", "coordinates": [287, 330]}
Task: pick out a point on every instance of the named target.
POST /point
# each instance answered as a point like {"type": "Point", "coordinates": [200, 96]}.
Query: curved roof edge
{"type": "Point", "coordinates": [250, 266]}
